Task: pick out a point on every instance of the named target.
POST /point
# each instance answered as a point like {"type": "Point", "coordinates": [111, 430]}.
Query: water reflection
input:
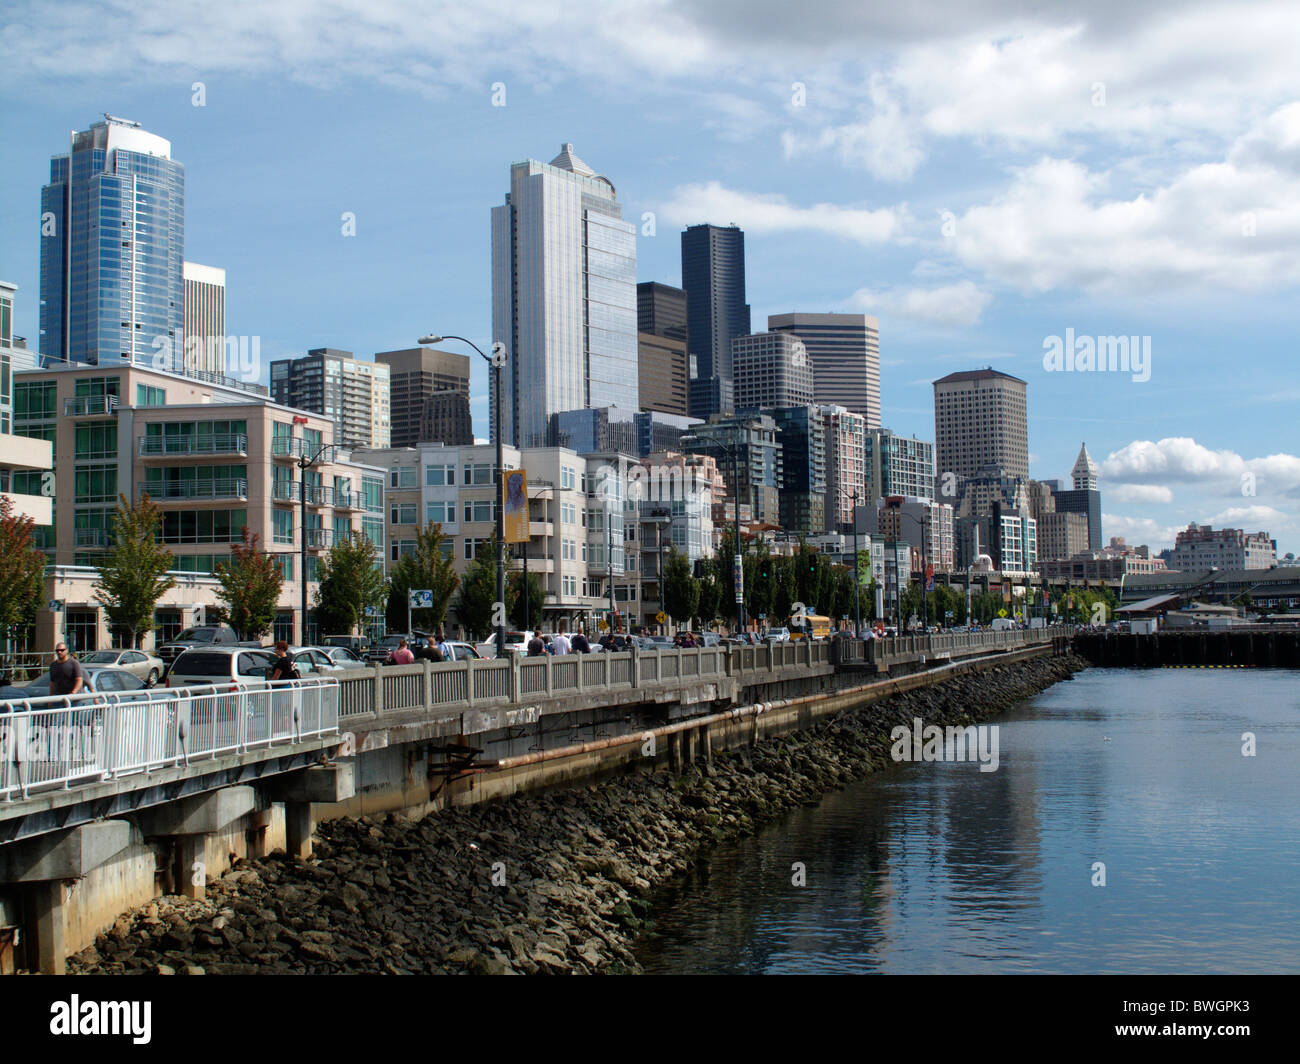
{"type": "Point", "coordinates": [942, 868]}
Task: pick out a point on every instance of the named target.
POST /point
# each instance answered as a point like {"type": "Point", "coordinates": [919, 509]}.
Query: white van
{"type": "Point", "coordinates": [217, 665]}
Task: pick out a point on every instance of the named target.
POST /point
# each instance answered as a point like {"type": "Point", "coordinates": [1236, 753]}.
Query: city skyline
{"type": "Point", "coordinates": [856, 213]}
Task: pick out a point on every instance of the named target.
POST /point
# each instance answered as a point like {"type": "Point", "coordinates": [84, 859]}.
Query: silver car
{"type": "Point", "coordinates": [341, 658]}
{"type": "Point", "coordinates": [97, 679]}
{"type": "Point", "coordinates": [147, 666]}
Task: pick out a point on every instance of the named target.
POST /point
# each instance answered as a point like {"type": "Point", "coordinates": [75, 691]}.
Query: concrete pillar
{"type": "Point", "coordinates": [51, 929]}
{"type": "Point", "coordinates": [192, 866]}
{"type": "Point", "coordinates": [298, 828]}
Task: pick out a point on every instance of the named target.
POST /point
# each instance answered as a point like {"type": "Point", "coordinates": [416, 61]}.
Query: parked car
{"type": "Point", "coordinates": [707, 639]}
{"type": "Point", "coordinates": [214, 665]}
{"type": "Point", "coordinates": [380, 652]}
{"type": "Point", "coordinates": [99, 679]}
{"type": "Point", "coordinates": [208, 635]}
{"type": "Point", "coordinates": [460, 651]}
{"type": "Point", "coordinates": [343, 657]}
{"type": "Point", "coordinates": [776, 635]}
{"type": "Point", "coordinates": [146, 666]}
{"type": "Point", "coordinates": [655, 642]}
{"type": "Point", "coordinates": [357, 644]}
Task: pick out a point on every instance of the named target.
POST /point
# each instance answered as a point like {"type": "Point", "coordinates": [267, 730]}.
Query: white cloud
{"type": "Point", "coordinates": [1253, 519]}
{"type": "Point", "coordinates": [1181, 459]}
{"type": "Point", "coordinates": [764, 213]}
{"type": "Point", "coordinates": [1139, 493]}
{"type": "Point", "coordinates": [953, 305]}
{"type": "Point", "coordinates": [881, 140]}
{"type": "Point", "coordinates": [1139, 530]}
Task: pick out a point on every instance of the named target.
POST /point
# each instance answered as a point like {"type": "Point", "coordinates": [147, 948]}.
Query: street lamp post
{"type": "Point", "coordinates": [303, 466]}
{"type": "Point", "coordinates": [497, 364]}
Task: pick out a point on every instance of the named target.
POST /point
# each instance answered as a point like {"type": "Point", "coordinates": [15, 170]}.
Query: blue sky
{"type": "Point", "coordinates": [977, 178]}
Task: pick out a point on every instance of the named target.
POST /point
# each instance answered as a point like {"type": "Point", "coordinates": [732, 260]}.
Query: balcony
{"type": "Point", "coordinates": [90, 406]}
{"type": "Point", "coordinates": [347, 500]}
{"type": "Point", "coordinates": [286, 492]}
{"type": "Point", "coordinates": [291, 448]}
{"type": "Point", "coordinates": [211, 491]}
{"type": "Point", "coordinates": [222, 445]}
{"type": "Point", "coordinates": [91, 537]}
{"type": "Point", "coordinates": [320, 538]}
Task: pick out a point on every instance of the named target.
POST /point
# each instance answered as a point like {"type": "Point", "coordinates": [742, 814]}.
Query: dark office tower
{"type": "Point", "coordinates": [713, 276]}
{"type": "Point", "coordinates": [661, 310]}
{"type": "Point", "coordinates": [447, 420]}
{"type": "Point", "coordinates": [112, 248]}
{"type": "Point", "coordinates": [845, 353]}
{"type": "Point", "coordinates": [414, 375]}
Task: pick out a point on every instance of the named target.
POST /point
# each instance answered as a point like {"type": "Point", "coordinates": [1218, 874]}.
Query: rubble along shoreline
{"type": "Point", "coordinates": [556, 882]}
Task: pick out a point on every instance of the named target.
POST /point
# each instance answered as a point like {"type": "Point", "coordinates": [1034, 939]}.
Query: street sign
{"type": "Point", "coordinates": [738, 575]}
{"type": "Point", "coordinates": [421, 600]}
{"type": "Point", "coordinates": [1002, 613]}
{"type": "Point", "coordinates": [947, 615]}
{"type": "Point", "coordinates": [660, 617]}
{"type": "Point", "coordinates": [602, 624]}
{"type": "Point", "coordinates": [56, 605]}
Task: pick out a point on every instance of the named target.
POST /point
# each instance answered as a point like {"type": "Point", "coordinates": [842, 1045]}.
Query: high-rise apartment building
{"type": "Point", "coordinates": [713, 277]}
{"type": "Point", "coordinates": [846, 466]}
{"type": "Point", "coordinates": [755, 483]}
{"type": "Point", "coordinates": [215, 459]}
{"type": "Point", "coordinates": [801, 431]}
{"type": "Point", "coordinates": [354, 394]}
{"type": "Point", "coordinates": [112, 248]}
{"type": "Point", "coordinates": [205, 320]}
{"type": "Point", "coordinates": [899, 465]}
{"type": "Point", "coordinates": [922, 523]}
{"type": "Point", "coordinates": [25, 458]}
{"type": "Point", "coordinates": [564, 298]}
{"type": "Point", "coordinates": [845, 354]}
{"type": "Point", "coordinates": [771, 370]}
{"type": "Point", "coordinates": [415, 375]}
{"type": "Point", "coordinates": [980, 419]}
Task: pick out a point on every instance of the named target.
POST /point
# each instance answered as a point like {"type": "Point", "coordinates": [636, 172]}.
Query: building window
{"type": "Point", "coordinates": [440, 513]}
{"type": "Point", "coordinates": [203, 526]}
{"type": "Point", "coordinates": [401, 477]}
{"type": "Point", "coordinates": [567, 477]}
{"type": "Point", "coordinates": [145, 395]}
{"type": "Point", "coordinates": [283, 627]}
{"type": "Point", "coordinates": [96, 484]}
{"type": "Point", "coordinates": [82, 631]}
{"type": "Point", "coordinates": [373, 529]}
{"type": "Point", "coordinates": [568, 513]}
{"type": "Point", "coordinates": [95, 441]}
{"type": "Point", "coordinates": [439, 475]}
{"type": "Point", "coordinates": [480, 473]}
{"type": "Point", "coordinates": [282, 526]}
{"type": "Point", "coordinates": [479, 510]}
{"type": "Point", "coordinates": [35, 400]}
{"type": "Point", "coordinates": [372, 494]}
{"type": "Point", "coordinates": [404, 513]}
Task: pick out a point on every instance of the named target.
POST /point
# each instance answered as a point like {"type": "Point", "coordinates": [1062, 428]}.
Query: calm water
{"type": "Point", "coordinates": [942, 868]}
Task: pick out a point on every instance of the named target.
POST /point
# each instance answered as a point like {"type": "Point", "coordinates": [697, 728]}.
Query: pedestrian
{"type": "Point", "coordinates": [402, 655]}
{"type": "Point", "coordinates": [283, 667]}
{"type": "Point", "coordinates": [560, 644]}
{"type": "Point", "coordinates": [442, 645]}
{"type": "Point", "coordinates": [580, 644]}
{"type": "Point", "coordinates": [431, 651]}
{"type": "Point", "coordinates": [536, 647]}
{"type": "Point", "coordinates": [66, 675]}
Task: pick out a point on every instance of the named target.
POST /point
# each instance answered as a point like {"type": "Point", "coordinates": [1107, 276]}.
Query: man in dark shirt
{"type": "Point", "coordinates": [579, 643]}
{"type": "Point", "coordinates": [536, 647]}
{"type": "Point", "coordinates": [66, 677]}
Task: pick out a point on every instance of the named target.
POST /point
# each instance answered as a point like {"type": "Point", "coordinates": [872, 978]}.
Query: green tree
{"type": "Point", "coordinates": [784, 587]}
{"type": "Point", "coordinates": [758, 582]}
{"type": "Point", "coordinates": [710, 592]}
{"type": "Point", "coordinates": [351, 580]}
{"type": "Point", "coordinates": [681, 589]}
{"type": "Point", "coordinates": [22, 569]}
{"type": "Point", "coordinates": [250, 587]}
{"type": "Point", "coordinates": [535, 599]}
{"type": "Point", "coordinates": [132, 575]}
{"type": "Point", "coordinates": [476, 606]}
{"type": "Point", "coordinates": [427, 569]}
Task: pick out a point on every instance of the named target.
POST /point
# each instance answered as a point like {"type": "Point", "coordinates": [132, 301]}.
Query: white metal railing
{"type": "Point", "coordinates": [60, 741]}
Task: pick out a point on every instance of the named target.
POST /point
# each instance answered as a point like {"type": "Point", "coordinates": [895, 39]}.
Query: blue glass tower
{"type": "Point", "coordinates": [112, 250]}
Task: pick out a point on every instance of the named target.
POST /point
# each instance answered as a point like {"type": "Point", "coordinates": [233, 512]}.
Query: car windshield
{"type": "Point", "coordinates": [100, 657]}
{"type": "Point", "coordinates": [197, 635]}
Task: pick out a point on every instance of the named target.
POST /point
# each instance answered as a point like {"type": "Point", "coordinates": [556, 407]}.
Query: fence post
{"type": "Point", "coordinates": [428, 685]}
{"type": "Point", "coordinates": [636, 666]}
{"type": "Point", "coordinates": [469, 681]}
{"type": "Point", "coordinates": [514, 677]}
{"type": "Point", "coordinates": [379, 689]}
{"type": "Point", "coordinates": [548, 660]}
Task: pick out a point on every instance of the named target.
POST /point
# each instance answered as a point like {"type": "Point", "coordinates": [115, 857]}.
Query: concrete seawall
{"type": "Point", "coordinates": [523, 871]}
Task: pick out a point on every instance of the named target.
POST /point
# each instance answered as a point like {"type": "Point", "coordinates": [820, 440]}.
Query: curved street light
{"type": "Point", "coordinates": [497, 364]}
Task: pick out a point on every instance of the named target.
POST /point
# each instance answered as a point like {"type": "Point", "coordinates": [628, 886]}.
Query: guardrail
{"type": "Point", "coordinates": [61, 741]}
{"type": "Point", "coordinates": [23, 667]}
{"type": "Point", "coordinates": [218, 443]}
{"type": "Point", "coordinates": [911, 646]}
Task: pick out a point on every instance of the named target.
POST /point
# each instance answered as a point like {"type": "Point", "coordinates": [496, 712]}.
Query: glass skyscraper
{"type": "Point", "coordinates": [112, 249]}
{"type": "Point", "coordinates": [713, 277]}
{"type": "Point", "coordinates": [563, 296]}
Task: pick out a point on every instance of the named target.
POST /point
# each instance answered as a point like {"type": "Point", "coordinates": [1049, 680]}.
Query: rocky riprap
{"type": "Point", "coordinates": [576, 868]}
